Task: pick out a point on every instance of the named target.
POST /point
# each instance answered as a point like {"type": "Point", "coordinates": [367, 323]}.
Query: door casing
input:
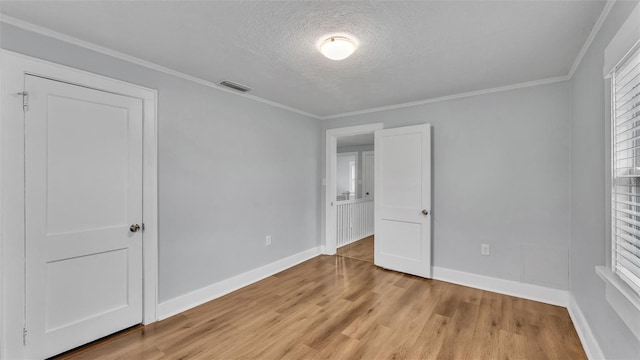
{"type": "Point", "coordinates": [12, 204]}
{"type": "Point", "coordinates": [330, 178]}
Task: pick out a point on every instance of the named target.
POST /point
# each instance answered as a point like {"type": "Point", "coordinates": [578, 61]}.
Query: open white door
{"type": "Point", "coordinates": [83, 196]}
{"type": "Point", "coordinates": [403, 199]}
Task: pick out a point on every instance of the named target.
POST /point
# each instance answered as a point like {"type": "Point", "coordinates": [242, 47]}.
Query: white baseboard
{"type": "Point", "coordinates": [201, 296]}
{"type": "Point", "coordinates": [507, 287]}
{"type": "Point", "coordinates": [588, 340]}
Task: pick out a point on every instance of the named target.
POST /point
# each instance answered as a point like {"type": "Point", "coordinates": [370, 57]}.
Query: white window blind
{"type": "Point", "coordinates": [625, 195]}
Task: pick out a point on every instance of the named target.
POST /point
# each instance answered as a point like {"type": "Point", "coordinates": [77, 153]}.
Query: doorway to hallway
{"type": "Point", "coordinates": [358, 250]}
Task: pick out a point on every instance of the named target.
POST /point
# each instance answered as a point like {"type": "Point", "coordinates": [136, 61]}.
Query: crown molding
{"type": "Point", "coordinates": [116, 54]}
{"type": "Point", "coordinates": [591, 37]}
{"type": "Point", "coordinates": [585, 47]}
{"type": "Point", "coordinates": [132, 59]}
{"type": "Point", "coordinates": [452, 97]}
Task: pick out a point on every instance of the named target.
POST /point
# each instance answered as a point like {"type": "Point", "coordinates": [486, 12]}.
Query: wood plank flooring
{"type": "Point", "coordinates": [334, 307]}
{"type": "Point", "coordinates": [360, 250]}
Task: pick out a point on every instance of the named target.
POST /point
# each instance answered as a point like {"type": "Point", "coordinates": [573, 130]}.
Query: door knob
{"type": "Point", "coordinates": [134, 228]}
{"type": "Point", "coordinates": [425, 212]}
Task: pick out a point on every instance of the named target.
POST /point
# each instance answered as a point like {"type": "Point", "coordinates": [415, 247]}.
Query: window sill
{"type": "Point", "coordinates": [622, 299]}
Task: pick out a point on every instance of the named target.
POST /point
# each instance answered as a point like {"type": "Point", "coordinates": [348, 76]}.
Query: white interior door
{"type": "Point", "coordinates": [403, 199]}
{"type": "Point", "coordinates": [368, 175]}
{"type": "Point", "coordinates": [83, 192]}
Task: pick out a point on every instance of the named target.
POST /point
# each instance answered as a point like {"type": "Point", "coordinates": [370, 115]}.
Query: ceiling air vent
{"type": "Point", "coordinates": [235, 86]}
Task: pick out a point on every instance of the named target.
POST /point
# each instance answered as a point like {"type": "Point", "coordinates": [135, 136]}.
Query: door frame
{"type": "Point", "coordinates": [331, 150]}
{"type": "Point", "coordinates": [12, 183]}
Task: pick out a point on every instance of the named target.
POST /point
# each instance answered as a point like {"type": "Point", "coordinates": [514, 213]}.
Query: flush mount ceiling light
{"type": "Point", "coordinates": [337, 47]}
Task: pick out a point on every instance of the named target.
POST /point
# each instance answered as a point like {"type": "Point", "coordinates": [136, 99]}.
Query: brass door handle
{"type": "Point", "coordinates": [134, 228]}
{"type": "Point", "coordinates": [425, 212]}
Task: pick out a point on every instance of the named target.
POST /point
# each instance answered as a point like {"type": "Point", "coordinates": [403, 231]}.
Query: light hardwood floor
{"type": "Point", "coordinates": [360, 250]}
{"type": "Point", "coordinates": [335, 307]}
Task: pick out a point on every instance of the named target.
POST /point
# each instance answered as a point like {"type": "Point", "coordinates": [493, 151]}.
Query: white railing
{"type": "Point", "coordinates": [355, 220]}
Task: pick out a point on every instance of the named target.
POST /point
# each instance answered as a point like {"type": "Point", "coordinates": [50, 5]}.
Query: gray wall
{"type": "Point", "coordinates": [589, 173]}
{"type": "Point", "coordinates": [231, 170]}
{"type": "Point", "coordinates": [501, 175]}
{"type": "Point", "coordinates": [359, 149]}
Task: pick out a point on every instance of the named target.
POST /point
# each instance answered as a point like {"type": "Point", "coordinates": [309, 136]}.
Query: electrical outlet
{"type": "Point", "coordinates": [485, 250]}
{"type": "Point", "coordinates": [267, 240]}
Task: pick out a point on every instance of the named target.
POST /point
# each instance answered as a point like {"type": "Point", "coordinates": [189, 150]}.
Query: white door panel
{"type": "Point", "coordinates": [99, 268]}
{"type": "Point", "coordinates": [403, 191]}
{"type": "Point", "coordinates": [83, 190]}
{"type": "Point", "coordinates": [103, 187]}
{"type": "Point", "coordinates": [409, 249]}
{"type": "Point", "coordinates": [402, 174]}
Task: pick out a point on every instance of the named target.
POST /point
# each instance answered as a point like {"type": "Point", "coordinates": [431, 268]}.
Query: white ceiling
{"type": "Point", "coordinates": [408, 50]}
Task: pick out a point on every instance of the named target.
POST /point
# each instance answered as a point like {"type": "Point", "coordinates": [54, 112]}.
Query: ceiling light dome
{"type": "Point", "coordinates": [337, 47]}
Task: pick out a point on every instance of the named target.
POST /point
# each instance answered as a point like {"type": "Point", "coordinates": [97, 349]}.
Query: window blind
{"type": "Point", "coordinates": [625, 195]}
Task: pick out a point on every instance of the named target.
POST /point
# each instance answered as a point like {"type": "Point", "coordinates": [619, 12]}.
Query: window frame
{"type": "Point", "coordinates": [634, 160]}
{"type": "Point", "coordinates": [624, 300]}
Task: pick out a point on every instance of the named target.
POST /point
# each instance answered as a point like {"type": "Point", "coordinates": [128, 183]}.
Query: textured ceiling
{"type": "Point", "coordinates": [408, 51]}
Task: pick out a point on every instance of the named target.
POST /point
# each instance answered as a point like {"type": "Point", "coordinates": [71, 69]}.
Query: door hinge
{"type": "Point", "coordinates": [24, 336]}
{"type": "Point", "coordinates": [25, 100]}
